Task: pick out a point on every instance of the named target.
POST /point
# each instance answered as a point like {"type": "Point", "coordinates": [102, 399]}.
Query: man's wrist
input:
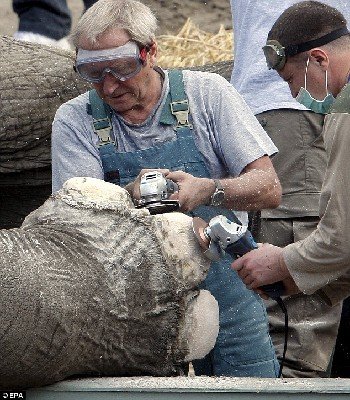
{"type": "Point", "coordinates": [218, 196]}
{"type": "Point", "coordinates": [129, 188]}
{"type": "Point", "coordinates": [209, 189]}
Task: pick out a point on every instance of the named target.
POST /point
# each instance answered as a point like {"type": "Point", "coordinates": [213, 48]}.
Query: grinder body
{"type": "Point", "coordinates": [155, 191]}
{"type": "Point", "coordinates": [223, 235]}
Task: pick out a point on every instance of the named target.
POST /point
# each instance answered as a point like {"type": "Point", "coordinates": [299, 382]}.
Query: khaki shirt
{"type": "Point", "coordinates": [300, 162]}
{"type": "Point", "coordinates": [324, 256]}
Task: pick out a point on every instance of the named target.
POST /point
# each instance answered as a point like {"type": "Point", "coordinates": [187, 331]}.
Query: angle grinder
{"type": "Point", "coordinates": [224, 236]}
{"type": "Point", "coordinates": [155, 191]}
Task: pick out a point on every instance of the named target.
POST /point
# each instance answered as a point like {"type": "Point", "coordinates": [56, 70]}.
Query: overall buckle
{"type": "Point", "coordinates": [181, 112]}
{"type": "Point", "coordinates": [103, 128]}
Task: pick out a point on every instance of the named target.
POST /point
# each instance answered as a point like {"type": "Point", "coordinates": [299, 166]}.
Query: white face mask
{"type": "Point", "coordinates": [317, 106]}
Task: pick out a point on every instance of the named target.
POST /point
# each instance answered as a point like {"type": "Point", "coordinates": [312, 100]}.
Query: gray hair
{"type": "Point", "coordinates": [131, 15]}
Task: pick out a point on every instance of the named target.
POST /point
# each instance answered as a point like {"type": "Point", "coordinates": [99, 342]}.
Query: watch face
{"type": "Point", "coordinates": [218, 198]}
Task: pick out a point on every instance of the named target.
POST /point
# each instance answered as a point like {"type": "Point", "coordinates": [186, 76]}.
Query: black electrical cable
{"type": "Point", "coordinates": [285, 312]}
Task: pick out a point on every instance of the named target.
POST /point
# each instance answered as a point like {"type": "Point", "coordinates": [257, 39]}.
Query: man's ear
{"type": "Point", "coordinates": [153, 50]}
{"type": "Point", "coordinates": [320, 57]}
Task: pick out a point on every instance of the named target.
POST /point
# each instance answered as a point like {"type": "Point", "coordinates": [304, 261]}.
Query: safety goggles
{"type": "Point", "coordinates": [276, 55]}
{"type": "Point", "coordinates": [122, 62]}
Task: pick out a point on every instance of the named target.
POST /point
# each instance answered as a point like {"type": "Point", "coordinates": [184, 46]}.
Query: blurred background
{"type": "Point", "coordinates": [171, 14]}
{"type": "Point", "coordinates": [191, 32]}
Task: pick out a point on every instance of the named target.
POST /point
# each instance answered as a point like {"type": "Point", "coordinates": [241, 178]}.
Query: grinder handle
{"type": "Point", "coordinates": [245, 244]}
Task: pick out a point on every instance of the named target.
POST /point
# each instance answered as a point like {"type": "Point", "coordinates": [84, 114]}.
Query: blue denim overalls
{"type": "Point", "coordinates": [243, 347]}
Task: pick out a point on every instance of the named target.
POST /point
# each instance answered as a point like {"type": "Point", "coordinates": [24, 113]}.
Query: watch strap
{"type": "Point", "coordinates": [218, 185]}
{"type": "Point", "coordinates": [219, 192]}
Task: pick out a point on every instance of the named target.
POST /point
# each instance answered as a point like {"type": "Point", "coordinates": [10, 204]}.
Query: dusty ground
{"type": "Point", "coordinates": [171, 14]}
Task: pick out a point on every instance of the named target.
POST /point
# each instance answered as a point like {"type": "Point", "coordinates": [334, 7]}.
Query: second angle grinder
{"type": "Point", "coordinates": [221, 236]}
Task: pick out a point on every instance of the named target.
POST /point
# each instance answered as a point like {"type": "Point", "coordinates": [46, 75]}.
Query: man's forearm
{"type": "Point", "coordinates": [257, 187]}
{"type": "Point", "coordinates": [254, 190]}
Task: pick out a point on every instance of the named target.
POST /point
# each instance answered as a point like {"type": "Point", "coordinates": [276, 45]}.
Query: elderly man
{"type": "Point", "coordinates": [309, 46]}
{"type": "Point", "coordinates": [192, 126]}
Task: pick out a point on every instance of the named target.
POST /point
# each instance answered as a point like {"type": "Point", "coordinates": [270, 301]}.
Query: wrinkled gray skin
{"type": "Point", "coordinates": [92, 286]}
{"type": "Point", "coordinates": [34, 81]}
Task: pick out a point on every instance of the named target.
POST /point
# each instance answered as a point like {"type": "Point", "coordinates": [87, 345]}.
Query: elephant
{"type": "Point", "coordinates": [92, 286]}
{"type": "Point", "coordinates": [35, 81]}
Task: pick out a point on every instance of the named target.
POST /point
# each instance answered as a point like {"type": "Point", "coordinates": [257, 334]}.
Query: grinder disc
{"type": "Point", "coordinates": [160, 207]}
{"type": "Point", "coordinates": [198, 226]}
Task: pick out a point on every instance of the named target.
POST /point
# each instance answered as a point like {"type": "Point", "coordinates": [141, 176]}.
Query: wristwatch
{"type": "Point", "coordinates": [218, 196]}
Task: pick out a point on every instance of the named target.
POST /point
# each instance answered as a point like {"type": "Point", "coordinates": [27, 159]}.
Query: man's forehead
{"type": "Point", "coordinates": [111, 38]}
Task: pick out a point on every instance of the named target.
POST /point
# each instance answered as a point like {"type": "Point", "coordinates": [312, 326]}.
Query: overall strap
{"type": "Point", "coordinates": [176, 108]}
{"type": "Point", "coordinates": [102, 126]}
{"type": "Point", "coordinates": [101, 118]}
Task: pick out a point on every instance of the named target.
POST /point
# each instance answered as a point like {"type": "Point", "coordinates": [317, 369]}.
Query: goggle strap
{"type": "Point", "coordinates": [294, 49]}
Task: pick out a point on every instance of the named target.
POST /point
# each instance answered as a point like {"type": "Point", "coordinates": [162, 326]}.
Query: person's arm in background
{"type": "Point", "coordinates": [323, 256]}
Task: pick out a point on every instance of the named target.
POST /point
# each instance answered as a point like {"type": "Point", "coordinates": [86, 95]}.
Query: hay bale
{"type": "Point", "coordinates": [194, 47]}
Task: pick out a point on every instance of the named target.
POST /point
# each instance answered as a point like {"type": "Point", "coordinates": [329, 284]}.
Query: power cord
{"type": "Point", "coordinates": [285, 312]}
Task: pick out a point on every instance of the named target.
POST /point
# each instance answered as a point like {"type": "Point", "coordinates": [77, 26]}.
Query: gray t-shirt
{"type": "Point", "coordinates": [225, 131]}
{"type": "Point", "coordinates": [261, 88]}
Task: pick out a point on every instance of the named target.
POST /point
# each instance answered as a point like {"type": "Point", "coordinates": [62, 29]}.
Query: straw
{"type": "Point", "coordinates": [194, 47]}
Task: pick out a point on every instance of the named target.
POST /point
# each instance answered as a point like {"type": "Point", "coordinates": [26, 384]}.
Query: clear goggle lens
{"type": "Point", "coordinates": [275, 55]}
{"type": "Point", "coordinates": [121, 68]}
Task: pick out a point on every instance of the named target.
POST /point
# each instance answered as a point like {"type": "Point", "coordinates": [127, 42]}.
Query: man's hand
{"type": "Point", "coordinates": [193, 191]}
{"type": "Point", "coordinates": [262, 266]}
{"type": "Point", "coordinates": [290, 288]}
